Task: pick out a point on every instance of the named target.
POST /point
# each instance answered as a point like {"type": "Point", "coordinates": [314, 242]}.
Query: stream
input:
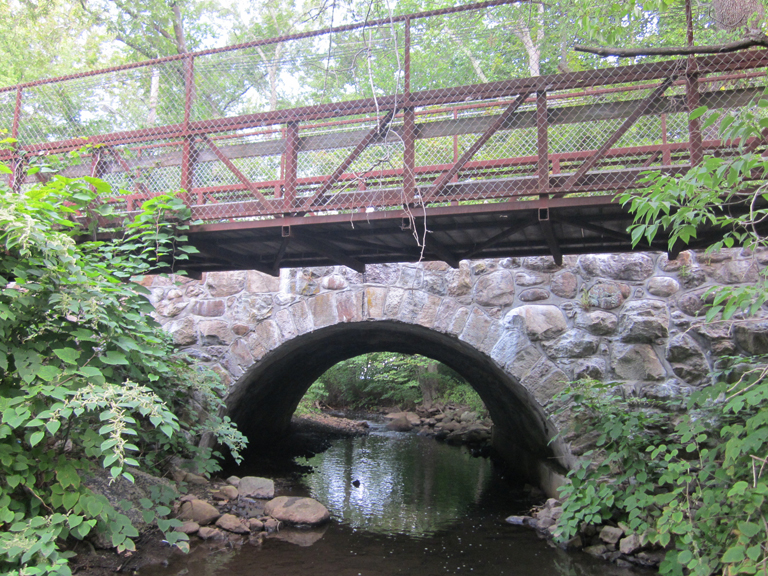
{"type": "Point", "coordinates": [400, 504]}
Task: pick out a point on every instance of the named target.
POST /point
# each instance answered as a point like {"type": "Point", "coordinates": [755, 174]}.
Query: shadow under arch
{"type": "Point", "coordinates": [263, 400]}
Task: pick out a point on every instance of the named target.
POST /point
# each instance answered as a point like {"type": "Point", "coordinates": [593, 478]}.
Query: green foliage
{"type": "Point", "coordinates": [691, 481]}
{"type": "Point", "coordinates": [388, 378]}
{"type": "Point", "coordinates": [88, 378]}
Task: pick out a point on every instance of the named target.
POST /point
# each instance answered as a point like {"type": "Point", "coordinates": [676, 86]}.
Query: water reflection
{"type": "Point", "coordinates": [407, 484]}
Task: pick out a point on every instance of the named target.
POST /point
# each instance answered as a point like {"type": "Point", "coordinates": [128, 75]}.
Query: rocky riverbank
{"type": "Point", "coordinates": [217, 513]}
{"type": "Point", "coordinates": [452, 424]}
{"type": "Point", "coordinates": [612, 542]}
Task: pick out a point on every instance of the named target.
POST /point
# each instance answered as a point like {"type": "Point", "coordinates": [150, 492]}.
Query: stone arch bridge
{"type": "Point", "coordinates": [517, 329]}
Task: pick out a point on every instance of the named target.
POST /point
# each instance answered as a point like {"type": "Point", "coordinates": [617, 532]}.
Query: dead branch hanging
{"type": "Point", "coordinates": [757, 40]}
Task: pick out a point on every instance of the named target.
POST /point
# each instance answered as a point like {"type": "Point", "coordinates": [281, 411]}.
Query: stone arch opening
{"type": "Point", "coordinates": [263, 400]}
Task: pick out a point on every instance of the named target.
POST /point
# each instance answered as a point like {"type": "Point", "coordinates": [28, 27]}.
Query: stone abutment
{"type": "Point", "coordinates": [517, 329]}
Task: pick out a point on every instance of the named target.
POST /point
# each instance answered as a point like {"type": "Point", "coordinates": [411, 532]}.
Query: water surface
{"type": "Point", "coordinates": [421, 508]}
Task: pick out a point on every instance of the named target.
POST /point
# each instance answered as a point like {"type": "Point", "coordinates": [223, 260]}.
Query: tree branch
{"type": "Point", "coordinates": [757, 40]}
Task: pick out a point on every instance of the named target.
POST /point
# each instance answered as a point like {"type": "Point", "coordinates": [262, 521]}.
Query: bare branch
{"type": "Point", "coordinates": [757, 40]}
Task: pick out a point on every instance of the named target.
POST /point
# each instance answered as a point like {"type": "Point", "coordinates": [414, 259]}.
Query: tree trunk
{"type": "Point", "coordinates": [428, 383]}
{"type": "Point", "coordinates": [532, 46]}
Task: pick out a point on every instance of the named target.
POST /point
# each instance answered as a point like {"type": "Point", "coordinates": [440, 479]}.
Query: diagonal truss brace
{"type": "Point", "coordinates": [444, 179]}
{"type": "Point", "coordinates": [367, 140]}
{"type": "Point", "coordinates": [260, 200]}
{"type": "Point", "coordinates": [626, 125]}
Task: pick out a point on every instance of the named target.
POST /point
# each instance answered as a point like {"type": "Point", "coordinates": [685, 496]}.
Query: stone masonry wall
{"type": "Point", "coordinates": [628, 318]}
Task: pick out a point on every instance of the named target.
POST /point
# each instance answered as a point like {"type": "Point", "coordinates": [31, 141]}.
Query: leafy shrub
{"type": "Point", "coordinates": [88, 378]}
{"type": "Point", "coordinates": [692, 482]}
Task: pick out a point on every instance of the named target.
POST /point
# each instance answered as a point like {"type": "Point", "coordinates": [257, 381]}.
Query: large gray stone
{"type": "Point", "coordinates": [687, 359]}
{"type": "Point", "coordinates": [573, 344]}
{"type": "Point", "coordinates": [255, 487]}
{"type": "Point", "coordinates": [565, 284]}
{"type": "Point", "coordinates": [752, 337]}
{"type": "Point", "coordinates": [605, 295]}
{"type": "Point", "coordinates": [221, 284]}
{"type": "Point", "coordinates": [541, 321]}
{"type": "Point", "coordinates": [495, 289]}
{"type": "Point", "coordinates": [736, 271]}
{"type": "Point", "coordinates": [636, 362]}
{"type": "Point", "coordinates": [644, 322]}
{"type": "Point", "coordinates": [597, 322]}
{"type": "Point", "coordinates": [198, 511]}
{"type": "Point", "coordinates": [295, 510]}
{"type": "Point", "coordinates": [633, 266]}
{"type": "Point", "coordinates": [663, 286]}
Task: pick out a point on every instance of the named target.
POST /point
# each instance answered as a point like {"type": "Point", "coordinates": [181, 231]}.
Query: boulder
{"type": "Point", "coordinates": [295, 510]}
{"type": "Point", "coordinates": [630, 544]}
{"type": "Point", "coordinates": [541, 321]}
{"type": "Point", "coordinates": [188, 527]}
{"type": "Point", "coordinates": [221, 284]}
{"type": "Point", "coordinates": [209, 533]}
{"type": "Point", "coordinates": [644, 322]}
{"type": "Point", "coordinates": [611, 535]}
{"type": "Point", "coordinates": [255, 487]}
{"type": "Point", "coordinates": [271, 525]}
{"type": "Point", "coordinates": [198, 511]}
{"type": "Point", "coordinates": [527, 279]}
{"type": "Point", "coordinates": [534, 295]}
{"type": "Point", "coordinates": [400, 424]}
{"type": "Point", "coordinates": [255, 525]}
{"type": "Point", "coordinates": [592, 368]}
{"type": "Point", "coordinates": [232, 523]}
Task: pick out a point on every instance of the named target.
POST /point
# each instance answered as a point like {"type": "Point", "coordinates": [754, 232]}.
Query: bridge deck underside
{"type": "Point", "coordinates": [508, 229]}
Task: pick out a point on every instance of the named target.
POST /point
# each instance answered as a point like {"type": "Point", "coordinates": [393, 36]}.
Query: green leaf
{"type": "Point", "coordinates": [698, 112]}
{"type": "Point", "coordinates": [70, 499]}
{"type": "Point", "coordinates": [68, 355]}
{"type": "Point", "coordinates": [36, 437]}
{"type": "Point", "coordinates": [113, 357]}
{"type": "Point", "coordinates": [733, 554]}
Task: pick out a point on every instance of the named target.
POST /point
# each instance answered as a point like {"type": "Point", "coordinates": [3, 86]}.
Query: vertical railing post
{"type": "Point", "coordinates": [542, 143]}
{"type": "Point", "coordinates": [409, 124]}
{"type": "Point", "coordinates": [188, 153]}
{"type": "Point", "coordinates": [695, 143]}
{"type": "Point", "coordinates": [291, 165]}
{"type": "Point", "coordinates": [16, 177]}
